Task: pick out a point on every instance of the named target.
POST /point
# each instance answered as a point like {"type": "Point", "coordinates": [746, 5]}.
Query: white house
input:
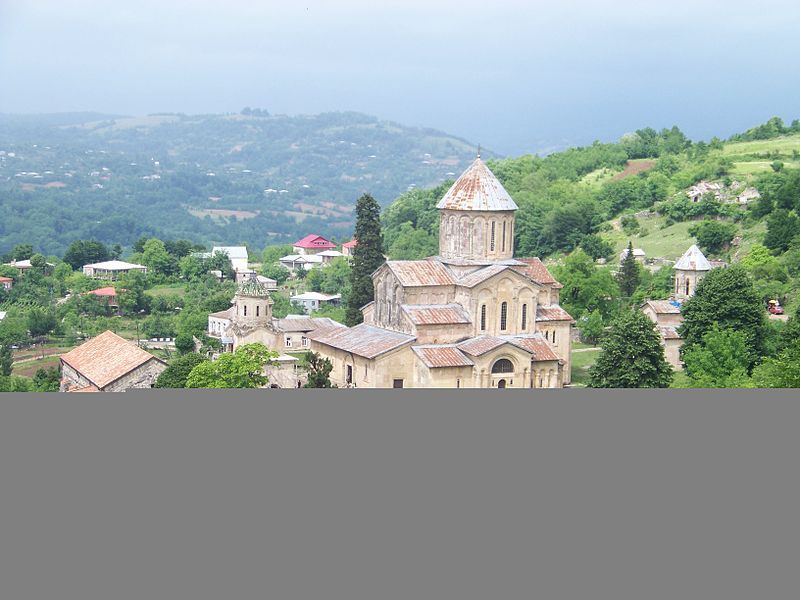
{"type": "Point", "coordinates": [237, 254]}
{"type": "Point", "coordinates": [112, 269]}
{"type": "Point", "coordinates": [295, 262]}
{"type": "Point", "coordinates": [311, 301]}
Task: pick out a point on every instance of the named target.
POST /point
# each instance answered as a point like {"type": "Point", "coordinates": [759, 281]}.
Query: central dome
{"type": "Point", "coordinates": [477, 189]}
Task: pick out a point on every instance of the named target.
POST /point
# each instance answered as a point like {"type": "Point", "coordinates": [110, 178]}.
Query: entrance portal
{"type": "Point", "coordinates": [501, 384]}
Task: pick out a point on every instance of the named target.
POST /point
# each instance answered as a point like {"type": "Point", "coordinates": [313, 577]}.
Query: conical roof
{"type": "Point", "coordinates": [477, 189]}
{"type": "Point", "coordinates": [253, 287]}
{"type": "Point", "coordinates": [693, 260]}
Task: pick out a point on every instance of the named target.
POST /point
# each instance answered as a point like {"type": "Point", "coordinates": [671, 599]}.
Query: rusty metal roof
{"type": "Point", "coordinates": [301, 324]}
{"type": "Point", "coordinates": [663, 307]}
{"type": "Point", "coordinates": [535, 270]}
{"type": "Point", "coordinates": [669, 333]}
{"type": "Point", "coordinates": [481, 275]}
{"type": "Point", "coordinates": [416, 273]}
{"type": "Point", "coordinates": [441, 356]}
{"type": "Point", "coordinates": [536, 345]}
{"type": "Point", "coordinates": [552, 313]}
{"type": "Point", "coordinates": [106, 358]}
{"type": "Point", "coordinates": [693, 260]}
{"type": "Point", "coordinates": [365, 340]}
{"type": "Point", "coordinates": [477, 189]}
{"type": "Point", "coordinates": [436, 314]}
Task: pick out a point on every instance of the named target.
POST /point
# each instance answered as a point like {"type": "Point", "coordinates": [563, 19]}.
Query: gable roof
{"type": "Point", "coordinates": [663, 307]}
{"type": "Point", "coordinates": [115, 265]}
{"type": "Point", "coordinates": [534, 269]}
{"type": "Point", "coordinates": [106, 291]}
{"type": "Point", "coordinates": [418, 273]}
{"type": "Point", "coordinates": [693, 260]}
{"type": "Point", "coordinates": [552, 313]}
{"type": "Point", "coordinates": [669, 332]}
{"type": "Point", "coordinates": [477, 189]}
{"type": "Point", "coordinates": [536, 345]}
{"type": "Point", "coordinates": [231, 251]}
{"type": "Point", "coordinates": [481, 275]}
{"type": "Point", "coordinates": [350, 244]}
{"type": "Point", "coordinates": [313, 240]}
{"type": "Point", "coordinates": [442, 356]}
{"type": "Point", "coordinates": [480, 345]}
{"type": "Point", "coordinates": [105, 358]}
{"type": "Point", "coordinates": [365, 340]}
{"type": "Point", "coordinates": [436, 314]}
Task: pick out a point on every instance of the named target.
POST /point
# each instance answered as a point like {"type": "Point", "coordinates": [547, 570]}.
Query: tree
{"type": "Point", "coordinates": [275, 271]}
{"type": "Point", "coordinates": [176, 374]}
{"type": "Point", "coordinates": [631, 355]}
{"type": "Point", "coordinates": [782, 228]}
{"type": "Point", "coordinates": [243, 368]}
{"type": "Point", "coordinates": [184, 343]}
{"type": "Point", "coordinates": [6, 360]}
{"type": "Point", "coordinates": [713, 236]}
{"type": "Point", "coordinates": [156, 258]}
{"type": "Point", "coordinates": [22, 252]}
{"type": "Point", "coordinates": [586, 287]}
{"type": "Point", "coordinates": [47, 381]}
{"type": "Point", "coordinates": [220, 261]}
{"type": "Point", "coordinates": [721, 361]}
{"type": "Point", "coordinates": [319, 370]}
{"type": "Point", "coordinates": [596, 247]}
{"type": "Point", "coordinates": [40, 322]}
{"type": "Point", "coordinates": [591, 327]}
{"type": "Point", "coordinates": [727, 298]}
{"type": "Point", "coordinates": [367, 257]}
{"type": "Point", "coordinates": [781, 371]}
{"type": "Point", "coordinates": [84, 252]}
{"type": "Point", "coordinates": [629, 274]}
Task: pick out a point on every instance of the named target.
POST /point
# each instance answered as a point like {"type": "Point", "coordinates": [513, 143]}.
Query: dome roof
{"type": "Point", "coordinates": [477, 189]}
{"type": "Point", "coordinates": [693, 260]}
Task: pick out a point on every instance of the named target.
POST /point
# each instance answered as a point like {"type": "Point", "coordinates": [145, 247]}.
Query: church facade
{"type": "Point", "coordinates": [473, 316]}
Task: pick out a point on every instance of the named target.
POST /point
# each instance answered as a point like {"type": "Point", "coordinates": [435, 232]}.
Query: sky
{"type": "Point", "coordinates": [514, 76]}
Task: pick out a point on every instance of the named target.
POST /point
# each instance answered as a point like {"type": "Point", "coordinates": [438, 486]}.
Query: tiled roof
{"type": "Point", "coordinates": [106, 291]}
{"type": "Point", "coordinates": [436, 314]}
{"type": "Point", "coordinates": [302, 324]}
{"type": "Point", "coordinates": [365, 340]}
{"type": "Point", "coordinates": [693, 260]}
{"type": "Point", "coordinates": [106, 358]}
{"type": "Point", "coordinates": [668, 333]}
{"type": "Point", "coordinates": [663, 307]}
{"type": "Point", "coordinates": [314, 241]}
{"type": "Point", "coordinates": [350, 244]}
{"type": "Point", "coordinates": [477, 189]}
{"type": "Point", "coordinates": [441, 356]}
{"type": "Point", "coordinates": [536, 345]}
{"type": "Point", "coordinates": [552, 313]}
{"type": "Point", "coordinates": [480, 345]}
{"type": "Point", "coordinates": [223, 314]}
{"type": "Point", "coordinates": [535, 270]}
{"type": "Point", "coordinates": [413, 273]}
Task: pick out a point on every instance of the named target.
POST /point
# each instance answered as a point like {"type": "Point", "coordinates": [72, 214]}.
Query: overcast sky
{"type": "Point", "coordinates": [514, 76]}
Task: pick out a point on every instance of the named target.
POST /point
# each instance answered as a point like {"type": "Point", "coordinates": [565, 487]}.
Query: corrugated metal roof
{"type": "Point", "coordinates": [663, 307]}
{"type": "Point", "coordinates": [231, 251]}
{"type": "Point", "coordinates": [365, 340]}
{"type": "Point", "coordinates": [477, 189]}
{"type": "Point", "coordinates": [106, 358]}
{"type": "Point", "coordinates": [415, 273]}
{"type": "Point", "coordinates": [535, 270]}
{"type": "Point", "coordinates": [480, 345]}
{"type": "Point", "coordinates": [552, 313]}
{"type": "Point", "coordinates": [115, 265]}
{"type": "Point", "coordinates": [436, 314]}
{"type": "Point", "coordinates": [301, 324]}
{"type": "Point", "coordinates": [693, 260]}
{"type": "Point", "coordinates": [441, 356]}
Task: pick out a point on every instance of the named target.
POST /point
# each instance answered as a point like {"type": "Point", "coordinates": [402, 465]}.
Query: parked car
{"type": "Point", "coordinates": [775, 307]}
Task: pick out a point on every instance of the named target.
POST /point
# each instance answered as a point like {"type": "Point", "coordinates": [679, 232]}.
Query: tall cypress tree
{"type": "Point", "coordinates": [367, 257]}
{"type": "Point", "coordinates": [6, 360]}
{"type": "Point", "coordinates": [629, 274]}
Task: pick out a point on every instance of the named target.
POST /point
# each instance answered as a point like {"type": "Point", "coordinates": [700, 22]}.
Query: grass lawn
{"type": "Point", "coordinates": [784, 145]}
{"type": "Point", "coordinates": [670, 242]}
{"type": "Point", "coordinates": [754, 167]}
{"type": "Point", "coordinates": [172, 289]}
{"type": "Point", "coordinates": [680, 380]}
{"type": "Point", "coordinates": [581, 361]}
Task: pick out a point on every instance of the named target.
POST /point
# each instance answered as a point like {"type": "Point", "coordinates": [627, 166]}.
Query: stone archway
{"type": "Point", "coordinates": [501, 384]}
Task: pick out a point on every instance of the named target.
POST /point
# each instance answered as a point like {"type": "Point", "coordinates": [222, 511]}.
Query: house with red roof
{"type": "Point", "coordinates": [312, 244]}
{"type": "Point", "coordinates": [347, 247]}
{"type": "Point", "coordinates": [6, 282]}
{"type": "Point", "coordinates": [108, 294]}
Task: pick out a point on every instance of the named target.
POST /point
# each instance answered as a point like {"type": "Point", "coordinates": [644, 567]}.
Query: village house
{"type": "Point", "coordinates": [311, 301]}
{"type": "Point", "coordinates": [347, 247]}
{"type": "Point", "coordinates": [312, 244]}
{"type": "Point", "coordinates": [701, 188]}
{"type": "Point", "coordinates": [6, 282]}
{"type": "Point", "coordinates": [638, 254]}
{"type": "Point", "coordinates": [107, 294]}
{"type": "Point", "coordinates": [270, 284]}
{"type": "Point", "coordinates": [23, 265]}
{"type": "Point", "coordinates": [108, 363]}
{"type": "Point", "coordinates": [112, 269]}
{"type": "Point", "coordinates": [297, 262]}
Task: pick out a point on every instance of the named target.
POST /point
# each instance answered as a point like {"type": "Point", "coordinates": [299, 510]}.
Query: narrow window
{"type": "Point", "coordinates": [245, 310]}
{"type": "Point", "coordinates": [258, 309]}
{"type": "Point", "coordinates": [458, 383]}
{"type": "Point", "coordinates": [554, 337]}
{"type": "Point", "coordinates": [483, 317]}
{"type": "Point", "coordinates": [491, 239]}
{"type": "Point", "coordinates": [349, 374]}
{"type": "Point", "coordinates": [304, 341]}
{"type": "Point", "coordinates": [503, 316]}
{"type": "Point", "coordinates": [524, 316]}
{"type": "Point", "coordinates": [288, 341]}
{"type": "Point", "coordinates": [503, 239]}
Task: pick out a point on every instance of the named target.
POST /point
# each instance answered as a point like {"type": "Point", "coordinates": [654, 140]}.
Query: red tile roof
{"type": "Point", "coordinates": [536, 345]}
{"type": "Point", "coordinates": [534, 269]}
{"type": "Point", "coordinates": [481, 275]}
{"type": "Point", "coordinates": [350, 244]}
{"type": "Point", "coordinates": [436, 314]}
{"type": "Point", "coordinates": [480, 345]}
{"type": "Point", "coordinates": [669, 333]}
{"type": "Point", "coordinates": [552, 313]}
{"type": "Point", "coordinates": [5, 279]}
{"type": "Point", "coordinates": [441, 356]}
{"type": "Point", "coordinates": [106, 358]}
{"type": "Point", "coordinates": [413, 273]}
{"type": "Point", "coordinates": [106, 291]}
{"type": "Point", "coordinates": [314, 241]}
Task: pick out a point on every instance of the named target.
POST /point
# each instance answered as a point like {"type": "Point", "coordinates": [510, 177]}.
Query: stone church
{"type": "Point", "coordinates": [473, 316]}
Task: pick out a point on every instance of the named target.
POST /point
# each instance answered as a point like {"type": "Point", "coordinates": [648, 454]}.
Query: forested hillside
{"type": "Point", "coordinates": [241, 178]}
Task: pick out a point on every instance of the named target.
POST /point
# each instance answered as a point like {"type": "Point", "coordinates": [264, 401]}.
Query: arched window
{"type": "Point", "coordinates": [483, 317]}
{"type": "Point", "coordinates": [503, 239]}
{"type": "Point", "coordinates": [687, 287]}
{"type": "Point", "coordinates": [503, 316]}
{"type": "Point", "coordinates": [258, 309]}
{"type": "Point", "coordinates": [524, 316]}
{"type": "Point", "coordinates": [491, 238]}
{"type": "Point", "coordinates": [245, 310]}
{"type": "Point", "coordinates": [503, 366]}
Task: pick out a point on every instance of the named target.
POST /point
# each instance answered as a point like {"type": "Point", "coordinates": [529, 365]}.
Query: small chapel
{"type": "Point", "coordinates": [474, 316]}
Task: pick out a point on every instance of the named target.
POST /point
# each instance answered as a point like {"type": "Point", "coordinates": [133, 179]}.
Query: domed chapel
{"type": "Point", "coordinates": [474, 316]}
